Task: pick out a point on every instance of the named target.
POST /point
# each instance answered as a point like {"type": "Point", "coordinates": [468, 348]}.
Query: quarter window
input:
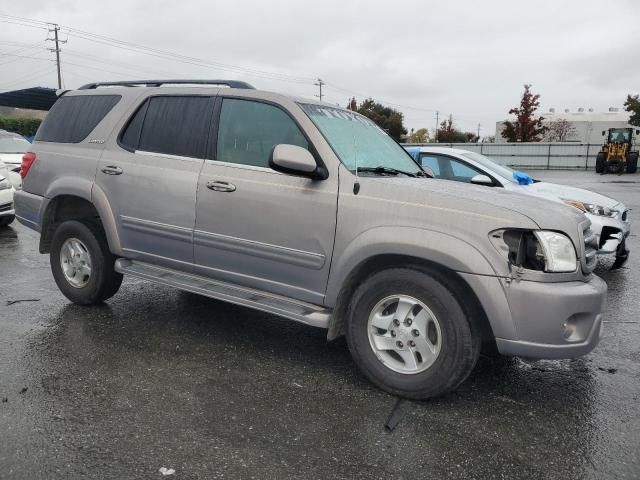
{"type": "Point", "coordinates": [171, 125]}
{"type": "Point", "coordinates": [73, 118]}
{"type": "Point", "coordinates": [249, 130]}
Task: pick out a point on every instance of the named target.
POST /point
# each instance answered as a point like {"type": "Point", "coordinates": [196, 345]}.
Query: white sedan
{"type": "Point", "coordinates": [7, 181]}
{"type": "Point", "coordinates": [609, 217]}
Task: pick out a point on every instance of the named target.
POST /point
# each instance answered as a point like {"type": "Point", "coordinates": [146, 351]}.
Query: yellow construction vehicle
{"type": "Point", "coordinates": [617, 155]}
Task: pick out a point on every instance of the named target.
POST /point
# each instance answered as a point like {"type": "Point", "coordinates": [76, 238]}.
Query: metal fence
{"type": "Point", "coordinates": [560, 156]}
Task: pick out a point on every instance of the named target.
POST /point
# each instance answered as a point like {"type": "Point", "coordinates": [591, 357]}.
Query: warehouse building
{"type": "Point", "coordinates": [586, 126]}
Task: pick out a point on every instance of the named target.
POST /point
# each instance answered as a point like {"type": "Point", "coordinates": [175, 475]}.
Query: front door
{"type": "Point", "coordinates": [255, 226]}
{"type": "Point", "coordinates": [150, 177]}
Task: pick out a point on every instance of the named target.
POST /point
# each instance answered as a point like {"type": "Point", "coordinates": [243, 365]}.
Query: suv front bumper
{"type": "Point", "coordinates": [554, 320]}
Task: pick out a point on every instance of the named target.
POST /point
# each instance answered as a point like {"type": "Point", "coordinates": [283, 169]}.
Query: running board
{"type": "Point", "coordinates": [306, 313]}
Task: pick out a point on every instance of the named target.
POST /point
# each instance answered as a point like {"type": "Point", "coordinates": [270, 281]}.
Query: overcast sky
{"type": "Point", "coordinates": [469, 59]}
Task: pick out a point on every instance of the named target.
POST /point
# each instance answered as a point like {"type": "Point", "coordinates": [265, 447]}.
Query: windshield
{"type": "Point", "coordinates": [13, 145]}
{"type": "Point", "coordinates": [619, 135]}
{"type": "Point", "coordinates": [491, 165]}
{"type": "Point", "coordinates": [358, 141]}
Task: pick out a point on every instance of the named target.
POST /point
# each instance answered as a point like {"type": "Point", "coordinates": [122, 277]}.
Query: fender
{"type": "Point", "coordinates": [437, 247]}
{"type": "Point", "coordinates": [89, 191]}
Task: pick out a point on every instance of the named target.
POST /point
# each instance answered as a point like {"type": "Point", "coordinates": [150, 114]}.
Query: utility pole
{"type": "Point", "coordinates": [478, 132]}
{"type": "Point", "coordinates": [319, 84]}
{"type": "Point", "coordinates": [55, 29]}
{"type": "Point", "coordinates": [437, 125]}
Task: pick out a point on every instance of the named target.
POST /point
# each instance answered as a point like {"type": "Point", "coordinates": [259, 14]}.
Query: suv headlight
{"type": "Point", "coordinates": [559, 253]}
{"type": "Point", "coordinates": [4, 183]}
{"type": "Point", "coordinates": [541, 250]}
{"type": "Point", "coordinates": [592, 208]}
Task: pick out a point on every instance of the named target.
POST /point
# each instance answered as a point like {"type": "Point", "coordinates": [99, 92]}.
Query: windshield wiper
{"type": "Point", "coordinates": [388, 170]}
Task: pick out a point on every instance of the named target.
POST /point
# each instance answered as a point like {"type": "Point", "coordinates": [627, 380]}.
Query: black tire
{"type": "Point", "coordinates": [6, 221]}
{"type": "Point", "coordinates": [460, 342]}
{"type": "Point", "coordinates": [104, 281]}
{"type": "Point", "coordinates": [615, 166]}
{"type": "Point", "coordinates": [622, 255]}
{"type": "Point", "coordinates": [632, 162]}
{"type": "Point", "coordinates": [600, 162]}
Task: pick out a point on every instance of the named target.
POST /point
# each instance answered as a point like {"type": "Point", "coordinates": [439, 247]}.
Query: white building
{"type": "Point", "coordinates": [587, 125]}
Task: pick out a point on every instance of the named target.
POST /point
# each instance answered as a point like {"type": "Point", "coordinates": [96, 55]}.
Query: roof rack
{"type": "Point", "coordinates": [157, 83]}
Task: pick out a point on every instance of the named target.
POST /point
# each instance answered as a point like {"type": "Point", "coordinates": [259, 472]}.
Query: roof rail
{"type": "Point", "coordinates": [157, 83]}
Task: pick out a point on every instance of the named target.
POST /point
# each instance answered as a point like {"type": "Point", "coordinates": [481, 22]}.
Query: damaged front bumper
{"type": "Point", "coordinates": [611, 232]}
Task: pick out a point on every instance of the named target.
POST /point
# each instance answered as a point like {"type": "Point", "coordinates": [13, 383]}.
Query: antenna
{"type": "Point", "coordinates": [356, 185]}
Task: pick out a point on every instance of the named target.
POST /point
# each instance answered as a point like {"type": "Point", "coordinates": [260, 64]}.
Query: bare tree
{"type": "Point", "coordinates": [560, 130]}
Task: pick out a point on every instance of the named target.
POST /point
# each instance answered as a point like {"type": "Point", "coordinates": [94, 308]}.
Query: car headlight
{"type": "Point", "coordinates": [592, 208]}
{"type": "Point", "coordinates": [540, 250]}
{"type": "Point", "coordinates": [4, 183]}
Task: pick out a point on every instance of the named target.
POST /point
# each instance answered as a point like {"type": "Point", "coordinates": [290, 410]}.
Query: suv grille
{"type": "Point", "coordinates": [590, 251]}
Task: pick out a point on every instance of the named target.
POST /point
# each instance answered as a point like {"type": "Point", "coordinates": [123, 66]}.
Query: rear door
{"type": "Point", "coordinates": [255, 226]}
{"type": "Point", "coordinates": [150, 177]}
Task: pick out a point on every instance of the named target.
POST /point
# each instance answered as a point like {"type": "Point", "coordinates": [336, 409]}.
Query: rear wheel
{"type": "Point", "coordinates": [600, 161]}
{"type": "Point", "coordinates": [6, 221]}
{"type": "Point", "coordinates": [632, 162]}
{"type": "Point", "coordinates": [409, 334]}
{"type": "Point", "coordinates": [82, 264]}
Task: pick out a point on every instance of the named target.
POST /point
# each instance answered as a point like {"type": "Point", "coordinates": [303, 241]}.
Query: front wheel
{"type": "Point", "coordinates": [6, 220]}
{"type": "Point", "coordinates": [82, 264]}
{"type": "Point", "coordinates": [410, 335]}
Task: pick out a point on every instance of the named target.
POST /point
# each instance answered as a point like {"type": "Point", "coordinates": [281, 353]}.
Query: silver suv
{"type": "Point", "coordinates": [310, 212]}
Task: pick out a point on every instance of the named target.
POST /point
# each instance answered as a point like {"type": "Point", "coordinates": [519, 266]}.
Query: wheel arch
{"type": "Point", "coordinates": [450, 278]}
{"type": "Point", "coordinates": [77, 205]}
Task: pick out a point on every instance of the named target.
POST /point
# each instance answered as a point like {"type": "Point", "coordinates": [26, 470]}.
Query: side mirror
{"type": "Point", "coordinates": [482, 180]}
{"type": "Point", "coordinates": [428, 171]}
{"type": "Point", "coordinates": [293, 159]}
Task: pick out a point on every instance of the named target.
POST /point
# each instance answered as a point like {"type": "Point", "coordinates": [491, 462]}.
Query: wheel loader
{"type": "Point", "coordinates": [617, 154]}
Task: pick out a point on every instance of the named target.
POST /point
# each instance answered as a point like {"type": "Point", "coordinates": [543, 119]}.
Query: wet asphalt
{"type": "Point", "coordinates": [157, 378]}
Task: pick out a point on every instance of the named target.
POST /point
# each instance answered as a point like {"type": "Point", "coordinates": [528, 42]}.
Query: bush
{"type": "Point", "coordinates": [24, 126]}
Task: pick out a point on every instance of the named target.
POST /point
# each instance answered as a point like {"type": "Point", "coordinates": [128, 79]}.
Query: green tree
{"type": "Point", "coordinates": [419, 136]}
{"type": "Point", "coordinates": [526, 127]}
{"type": "Point", "coordinates": [390, 120]}
{"type": "Point", "coordinates": [632, 105]}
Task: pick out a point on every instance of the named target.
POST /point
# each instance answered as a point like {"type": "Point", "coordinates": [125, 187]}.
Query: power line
{"type": "Point", "coordinates": [161, 53]}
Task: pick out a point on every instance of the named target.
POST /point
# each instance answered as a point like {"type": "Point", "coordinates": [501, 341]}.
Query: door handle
{"type": "Point", "coordinates": [220, 186]}
{"type": "Point", "coordinates": [112, 170]}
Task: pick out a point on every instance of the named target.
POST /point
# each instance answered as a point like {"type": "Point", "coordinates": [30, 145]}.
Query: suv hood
{"type": "Point", "coordinates": [563, 192]}
{"type": "Point", "coordinates": [497, 202]}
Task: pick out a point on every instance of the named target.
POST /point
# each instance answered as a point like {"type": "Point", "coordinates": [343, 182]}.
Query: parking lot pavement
{"type": "Point", "coordinates": [157, 378]}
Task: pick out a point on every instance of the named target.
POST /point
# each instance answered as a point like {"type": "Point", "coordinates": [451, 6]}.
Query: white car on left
{"type": "Point", "coordinates": [12, 146]}
{"type": "Point", "coordinates": [8, 184]}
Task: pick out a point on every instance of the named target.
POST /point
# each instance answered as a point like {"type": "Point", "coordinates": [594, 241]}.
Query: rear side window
{"type": "Point", "coordinates": [72, 119]}
{"type": "Point", "coordinates": [249, 130]}
{"type": "Point", "coordinates": [172, 125]}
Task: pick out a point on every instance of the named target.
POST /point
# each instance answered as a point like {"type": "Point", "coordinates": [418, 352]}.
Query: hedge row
{"type": "Point", "coordinates": [24, 126]}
